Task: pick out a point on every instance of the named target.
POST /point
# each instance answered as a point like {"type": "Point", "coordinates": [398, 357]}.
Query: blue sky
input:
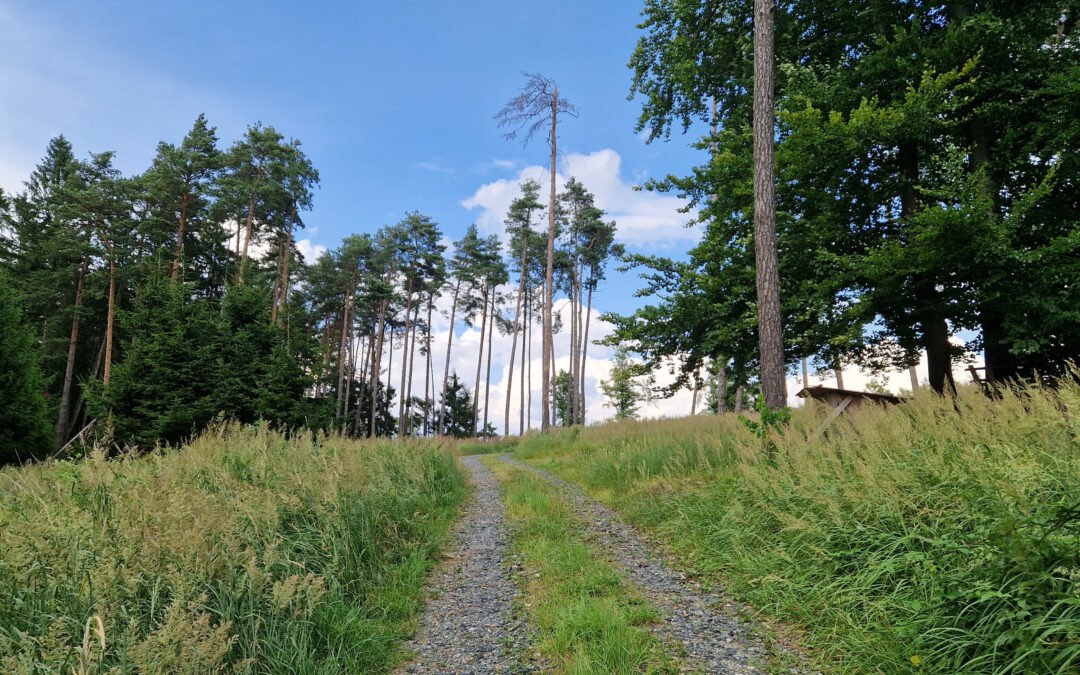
{"type": "Point", "coordinates": [392, 101]}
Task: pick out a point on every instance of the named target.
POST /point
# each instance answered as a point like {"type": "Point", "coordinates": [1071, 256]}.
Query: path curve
{"type": "Point", "coordinates": [715, 642]}
{"type": "Point", "coordinates": [469, 623]}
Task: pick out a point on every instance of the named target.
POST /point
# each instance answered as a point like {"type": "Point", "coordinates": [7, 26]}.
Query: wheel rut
{"type": "Point", "coordinates": [704, 624]}
{"type": "Point", "coordinates": [470, 623]}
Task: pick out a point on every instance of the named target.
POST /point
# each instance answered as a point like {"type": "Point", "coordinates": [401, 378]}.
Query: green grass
{"type": "Point", "coordinates": [244, 551]}
{"type": "Point", "coordinates": [590, 620]}
{"type": "Point", "coordinates": [931, 537]}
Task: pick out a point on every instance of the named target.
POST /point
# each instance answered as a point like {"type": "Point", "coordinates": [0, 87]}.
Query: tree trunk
{"type": "Point", "coordinates": [179, 239]}
{"type": "Point", "coordinates": [545, 386]}
{"type": "Point", "coordinates": [283, 287]}
{"type": "Point", "coordinates": [487, 384]}
{"type": "Point", "coordinates": [412, 367]}
{"type": "Point", "coordinates": [721, 387]}
{"type": "Point", "coordinates": [446, 366]}
{"type": "Point", "coordinates": [693, 399]}
{"type": "Point", "coordinates": [805, 374]}
{"type": "Point", "coordinates": [914, 379]}
{"type": "Point", "coordinates": [585, 348]}
{"type": "Point", "coordinates": [479, 361]}
{"type": "Point", "coordinates": [428, 379]}
{"type": "Point", "coordinates": [513, 344]}
{"type": "Point", "coordinates": [526, 365]}
{"type": "Point", "coordinates": [740, 392]}
{"type": "Point", "coordinates": [110, 314]}
{"type": "Point", "coordinates": [247, 239]}
{"type": "Point", "coordinates": [770, 333]}
{"type": "Point", "coordinates": [341, 353]}
{"type": "Point", "coordinates": [62, 422]}
{"type": "Point", "coordinates": [839, 377]}
{"type": "Point", "coordinates": [404, 359]}
{"type": "Point", "coordinates": [377, 356]}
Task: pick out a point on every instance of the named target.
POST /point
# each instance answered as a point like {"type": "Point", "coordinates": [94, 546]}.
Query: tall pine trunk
{"type": "Point", "coordinates": [487, 383]}
{"type": "Point", "coordinates": [247, 238]}
{"type": "Point", "coordinates": [585, 347]}
{"type": "Point", "coordinates": [179, 239]}
{"type": "Point", "coordinates": [548, 348]}
{"type": "Point", "coordinates": [513, 344]}
{"type": "Point", "coordinates": [377, 361]}
{"type": "Point", "coordinates": [62, 422]}
{"type": "Point", "coordinates": [283, 287]}
{"type": "Point", "coordinates": [446, 366]}
{"type": "Point", "coordinates": [404, 358]}
{"type": "Point", "coordinates": [721, 387]}
{"type": "Point", "coordinates": [479, 361]}
{"type": "Point", "coordinates": [428, 378]}
{"type": "Point", "coordinates": [770, 333]}
{"type": "Point", "coordinates": [110, 314]}
{"type": "Point", "coordinates": [412, 366]}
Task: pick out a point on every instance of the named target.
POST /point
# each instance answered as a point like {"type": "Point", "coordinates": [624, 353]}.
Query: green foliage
{"type": "Point", "coordinates": [939, 532]}
{"type": "Point", "coordinates": [457, 409]}
{"type": "Point", "coordinates": [628, 384]}
{"type": "Point", "coordinates": [26, 433]}
{"type": "Point", "coordinates": [194, 359]}
{"type": "Point", "coordinates": [305, 556]}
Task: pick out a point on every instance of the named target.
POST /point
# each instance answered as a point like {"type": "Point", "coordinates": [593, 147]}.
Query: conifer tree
{"type": "Point", "coordinates": [25, 433]}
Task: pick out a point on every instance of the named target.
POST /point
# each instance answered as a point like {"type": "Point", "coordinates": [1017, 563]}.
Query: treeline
{"type": "Point", "coordinates": [149, 305]}
{"type": "Point", "coordinates": [927, 170]}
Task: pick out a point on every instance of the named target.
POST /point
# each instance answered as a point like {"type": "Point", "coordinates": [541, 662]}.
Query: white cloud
{"type": "Point", "coordinates": [644, 219]}
{"type": "Point", "coordinates": [310, 250]}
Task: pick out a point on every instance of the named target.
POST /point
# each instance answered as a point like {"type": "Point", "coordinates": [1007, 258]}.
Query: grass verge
{"type": "Point", "coordinates": [590, 620]}
{"type": "Point", "coordinates": [937, 536]}
{"type": "Point", "coordinates": [244, 551]}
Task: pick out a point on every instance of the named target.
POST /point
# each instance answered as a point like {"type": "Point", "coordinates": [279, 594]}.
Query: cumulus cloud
{"type": "Point", "coordinates": [310, 250]}
{"type": "Point", "coordinates": [644, 219]}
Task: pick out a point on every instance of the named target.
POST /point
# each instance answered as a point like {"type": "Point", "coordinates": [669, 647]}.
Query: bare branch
{"type": "Point", "coordinates": [530, 110]}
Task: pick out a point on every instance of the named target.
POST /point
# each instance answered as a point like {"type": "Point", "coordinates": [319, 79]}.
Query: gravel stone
{"type": "Point", "coordinates": [472, 622]}
{"type": "Point", "coordinates": [704, 625]}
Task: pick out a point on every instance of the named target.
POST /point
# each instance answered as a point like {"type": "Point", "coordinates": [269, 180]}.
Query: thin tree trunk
{"type": "Point", "coordinates": [179, 239]}
{"type": "Point", "coordinates": [349, 380]}
{"type": "Point", "coordinates": [805, 374]}
{"type": "Point", "coordinates": [721, 386]}
{"type": "Point", "coordinates": [283, 287]}
{"type": "Point", "coordinates": [404, 360]}
{"type": "Point", "coordinates": [693, 399]}
{"type": "Point", "coordinates": [247, 238]}
{"type": "Point", "coordinates": [62, 422]}
{"type": "Point", "coordinates": [412, 366]}
{"type": "Point", "coordinates": [377, 356]}
{"type": "Point", "coordinates": [429, 380]}
{"type": "Point", "coordinates": [341, 353]}
{"type": "Point", "coordinates": [914, 379]}
{"type": "Point", "coordinates": [585, 349]}
{"type": "Point", "coordinates": [740, 393]}
{"type": "Point", "coordinates": [770, 334]}
{"type": "Point", "coordinates": [546, 374]}
{"type": "Point", "coordinates": [479, 362]}
{"type": "Point", "coordinates": [110, 314]}
{"type": "Point", "coordinates": [446, 366]}
{"type": "Point", "coordinates": [839, 377]}
{"type": "Point", "coordinates": [527, 345]}
{"type": "Point", "coordinates": [513, 346]}
{"type": "Point", "coordinates": [487, 384]}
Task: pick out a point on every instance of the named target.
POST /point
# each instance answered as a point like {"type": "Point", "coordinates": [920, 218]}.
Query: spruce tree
{"type": "Point", "coordinates": [26, 431]}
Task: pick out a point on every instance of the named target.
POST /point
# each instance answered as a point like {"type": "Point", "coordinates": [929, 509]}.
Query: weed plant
{"type": "Point", "coordinates": [244, 551]}
{"type": "Point", "coordinates": [940, 535]}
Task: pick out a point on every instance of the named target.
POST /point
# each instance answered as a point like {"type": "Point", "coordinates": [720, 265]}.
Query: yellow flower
{"type": "Point", "coordinates": [916, 660]}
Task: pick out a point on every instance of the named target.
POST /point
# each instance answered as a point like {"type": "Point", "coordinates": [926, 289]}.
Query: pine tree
{"type": "Point", "coordinates": [25, 433]}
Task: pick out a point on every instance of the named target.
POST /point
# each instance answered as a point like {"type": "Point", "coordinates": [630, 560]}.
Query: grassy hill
{"type": "Point", "coordinates": [928, 537]}
{"type": "Point", "coordinates": [243, 550]}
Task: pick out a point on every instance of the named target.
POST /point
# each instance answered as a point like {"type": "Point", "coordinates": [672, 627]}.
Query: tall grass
{"type": "Point", "coordinates": [244, 550]}
{"type": "Point", "coordinates": [935, 536]}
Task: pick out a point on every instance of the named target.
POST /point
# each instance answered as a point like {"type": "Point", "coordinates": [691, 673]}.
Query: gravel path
{"type": "Point", "coordinates": [470, 623]}
{"type": "Point", "coordinates": [704, 624]}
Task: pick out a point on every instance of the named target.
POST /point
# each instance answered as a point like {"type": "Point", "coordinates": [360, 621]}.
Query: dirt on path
{"type": "Point", "coordinates": [470, 623]}
{"type": "Point", "coordinates": [704, 624]}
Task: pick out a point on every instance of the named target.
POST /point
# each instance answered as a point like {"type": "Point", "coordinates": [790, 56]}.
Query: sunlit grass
{"type": "Point", "coordinates": [590, 619]}
{"type": "Point", "coordinates": [940, 531]}
{"type": "Point", "coordinates": [244, 550]}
